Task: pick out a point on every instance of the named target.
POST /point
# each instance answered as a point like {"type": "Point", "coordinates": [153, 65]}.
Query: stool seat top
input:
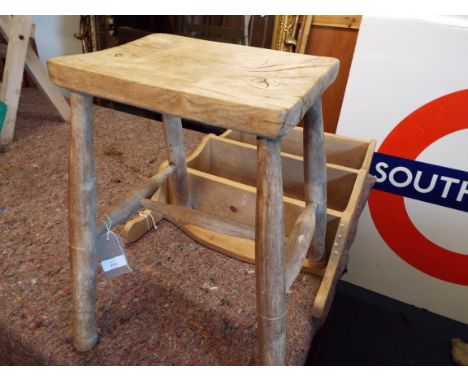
{"type": "Point", "coordinates": [254, 90]}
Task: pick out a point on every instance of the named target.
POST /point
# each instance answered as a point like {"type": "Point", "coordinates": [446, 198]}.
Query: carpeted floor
{"type": "Point", "coordinates": [183, 304]}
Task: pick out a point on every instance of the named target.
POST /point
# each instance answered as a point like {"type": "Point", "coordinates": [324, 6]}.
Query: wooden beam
{"type": "Point", "coordinates": [132, 202]}
{"type": "Point", "coordinates": [19, 33]}
{"type": "Point", "coordinates": [269, 255]}
{"type": "Point", "coordinates": [176, 154]}
{"type": "Point", "coordinates": [315, 176]}
{"type": "Point", "coordinates": [82, 222]}
{"type": "Point", "coordinates": [182, 215]}
{"type": "Point", "coordinates": [35, 68]}
{"type": "Point", "coordinates": [39, 74]}
{"type": "Point", "coordinates": [41, 79]}
{"type": "Point", "coordinates": [298, 243]}
{"type": "Point", "coordinates": [5, 26]}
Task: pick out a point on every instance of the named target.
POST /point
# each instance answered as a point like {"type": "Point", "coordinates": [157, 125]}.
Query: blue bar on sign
{"type": "Point", "coordinates": [427, 182]}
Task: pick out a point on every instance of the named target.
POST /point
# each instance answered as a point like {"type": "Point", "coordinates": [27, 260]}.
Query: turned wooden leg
{"type": "Point", "coordinates": [176, 154]}
{"type": "Point", "coordinates": [315, 176]}
{"type": "Point", "coordinates": [269, 254]}
{"type": "Point", "coordinates": [82, 222]}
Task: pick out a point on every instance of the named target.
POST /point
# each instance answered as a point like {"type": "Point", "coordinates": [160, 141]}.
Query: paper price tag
{"type": "Point", "coordinates": [111, 251]}
{"type": "Point", "coordinates": [115, 262]}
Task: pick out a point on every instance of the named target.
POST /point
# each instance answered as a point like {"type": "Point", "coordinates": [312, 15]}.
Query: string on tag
{"type": "Point", "coordinates": [145, 214]}
{"type": "Point", "coordinates": [108, 228]}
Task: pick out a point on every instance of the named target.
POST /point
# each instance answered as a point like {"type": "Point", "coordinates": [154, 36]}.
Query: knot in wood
{"type": "Point", "coordinates": [262, 82]}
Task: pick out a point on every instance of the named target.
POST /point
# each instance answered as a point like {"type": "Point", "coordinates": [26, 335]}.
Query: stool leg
{"type": "Point", "coordinates": [315, 175]}
{"type": "Point", "coordinates": [82, 222]}
{"type": "Point", "coordinates": [174, 136]}
{"type": "Point", "coordinates": [269, 254]}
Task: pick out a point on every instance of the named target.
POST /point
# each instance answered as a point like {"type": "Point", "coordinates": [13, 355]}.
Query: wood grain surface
{"type": "Point", "coordinates": [260, 91]}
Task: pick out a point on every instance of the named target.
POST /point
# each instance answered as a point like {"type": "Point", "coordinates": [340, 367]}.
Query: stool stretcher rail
{"type": "Point", "coordinates": [129, 205]}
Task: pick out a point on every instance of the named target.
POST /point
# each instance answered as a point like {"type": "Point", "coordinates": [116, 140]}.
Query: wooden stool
{"type": "Point", "coordinates": [258, 92]}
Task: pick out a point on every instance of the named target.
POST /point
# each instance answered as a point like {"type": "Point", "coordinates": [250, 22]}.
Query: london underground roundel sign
{"type": "Point", "coordinates": [400, 175]}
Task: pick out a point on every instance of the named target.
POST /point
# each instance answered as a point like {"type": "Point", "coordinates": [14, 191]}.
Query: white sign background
{"type": "Point", "coordinates": [399, 65]}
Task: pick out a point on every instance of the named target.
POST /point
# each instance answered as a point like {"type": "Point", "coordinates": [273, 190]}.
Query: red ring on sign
{"type": "Point", "coordinates": [433, 121]}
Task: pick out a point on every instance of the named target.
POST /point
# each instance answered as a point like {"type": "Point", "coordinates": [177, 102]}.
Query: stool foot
{"type": "Point", "coordinates": [85, 344]}
{"type": "Point", "coordinates": [82, 222]}
{"type": "Point", "coordinates": [269, 255]}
